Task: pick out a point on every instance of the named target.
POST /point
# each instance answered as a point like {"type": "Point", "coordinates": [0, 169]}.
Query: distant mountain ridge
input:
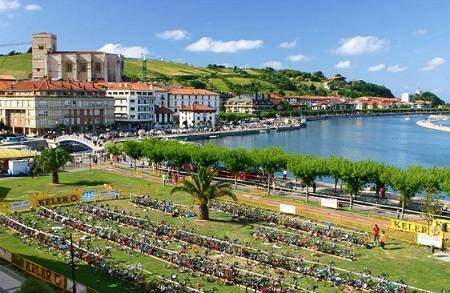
{"type": "Point", "coordinates": [225, 79]}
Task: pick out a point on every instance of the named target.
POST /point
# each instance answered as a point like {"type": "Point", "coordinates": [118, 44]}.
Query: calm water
{"type": "Point", "coordinates": [395, 140]}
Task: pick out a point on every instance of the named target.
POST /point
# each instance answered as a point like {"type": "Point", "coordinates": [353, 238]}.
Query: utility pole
{"type": "Point", "coordinates": [74, 285]}
{"type": "Point", "coordinates": [144, 69]}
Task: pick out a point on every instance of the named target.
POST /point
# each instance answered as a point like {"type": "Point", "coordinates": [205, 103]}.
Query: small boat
{"type": "Point", "coordinates": [213, 136]}
{"type": "Point", "coordinates": [408, 118]}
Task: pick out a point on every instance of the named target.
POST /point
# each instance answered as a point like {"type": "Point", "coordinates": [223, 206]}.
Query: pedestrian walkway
{"type": "Point", "coordinates": [10, 281]}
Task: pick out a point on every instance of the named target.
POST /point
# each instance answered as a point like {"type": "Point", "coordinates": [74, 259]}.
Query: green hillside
{"type": "Point", "coordinates": [223, 79]}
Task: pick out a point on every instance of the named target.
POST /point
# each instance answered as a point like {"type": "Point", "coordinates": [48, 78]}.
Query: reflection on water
{"type": "Point", "coordinates": [394, 140]}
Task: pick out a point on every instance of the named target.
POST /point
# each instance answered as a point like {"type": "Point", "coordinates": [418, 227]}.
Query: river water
{"type": "Point", "coordinates": [396, 140]}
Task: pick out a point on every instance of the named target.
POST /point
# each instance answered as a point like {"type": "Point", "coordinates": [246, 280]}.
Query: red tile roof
{"type": "Point", "coordinates": [162, 110]}
{"type": "Point", "coordinates": [49, 85]}
{"type": "Point", "coordinates": [197, 108]}
{"type": "Point", "coordinates": [191, 91]}
{"type": "Point", "coordinates": [135, 86]}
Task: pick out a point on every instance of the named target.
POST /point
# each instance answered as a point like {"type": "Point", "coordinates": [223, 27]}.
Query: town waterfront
{"type": "Point", "coordinates": [397, 140]}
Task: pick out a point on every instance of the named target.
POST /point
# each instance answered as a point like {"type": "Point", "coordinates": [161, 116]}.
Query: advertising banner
{"type": "Point", "coordinates": [409, 226]}
{"type": "Point", "coordinates": [5, 254]}
{"type": "Point", "coordinates": [88, 195]}
{"type": "Point", "coordinates": [52, 200]}
{"type": "Point", "coordinates": [288, 209]}
{"type": "Point", "coordinates": [109, 194]}
{"type": "Point", "coordinates": [45, 275]}
{"type": "Point", "coordinates": [329, 203]}
{"type": "Point", "coordinates": [439, 223]}
{"type": "Point", "coordinates": [429, 240]}
{"type": "Point", "coordinates": [20, 205]}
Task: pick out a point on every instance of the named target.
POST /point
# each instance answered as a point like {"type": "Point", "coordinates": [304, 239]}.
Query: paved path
{"type": "Point", "coordinates": [10, 281]}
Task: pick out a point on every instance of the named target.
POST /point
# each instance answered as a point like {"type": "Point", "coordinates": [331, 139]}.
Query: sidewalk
{"type": "Point", "coordinates": [10, 281]}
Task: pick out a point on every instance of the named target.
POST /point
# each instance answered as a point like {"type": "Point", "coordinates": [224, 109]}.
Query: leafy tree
{"type": "Point", "coordinates": [153, 150]}
{"type": "Point", "coordinates": [354, 175]}
{"type": "Point", "coordinates": [270, 160]}
{"type": "Point", "coordinates": [333, 169]}
{"type": "Point", "coordinates": [51, 160]}
{"type": "Point", "coordinates": [177, 154]}
{"type": "Point", "coordinates": [377, 173]}
{"type": "Point", "coordinates": [433, 180]}
{"type": "Point", "coordinates": [205, 156]}
{"type": "Point", "coordinates": [134, 150]}
{"type": "Point", "coordinates": [113, 149]}
{"type": "Point", "coordinates": [203, 189]}
{"type": "Point", "coordinates": [429, 97]}
{"type": "Point", "coordinates": [407, 183]}
{"type": "Point", "coordinates": [236, 160]}
{"type": "Point", "coordinates": [306, 168]}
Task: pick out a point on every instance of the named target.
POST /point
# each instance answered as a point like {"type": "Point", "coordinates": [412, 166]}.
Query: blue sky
{"type": "Point", "coordinates": [403, 44]}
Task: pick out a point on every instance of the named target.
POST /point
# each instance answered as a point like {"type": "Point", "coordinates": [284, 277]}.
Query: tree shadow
{"type": "Point", "coordinates": [4, 192]}
{"type": "Point", "coordinates": [393, 246]}
{"type": "Point", "coordinates": [86, 183]}
{"type": "Point", "coordinates": [234, 221]}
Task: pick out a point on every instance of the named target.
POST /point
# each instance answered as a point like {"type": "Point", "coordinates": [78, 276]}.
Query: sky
{"type": "Point", "coordinates": [402, 44]}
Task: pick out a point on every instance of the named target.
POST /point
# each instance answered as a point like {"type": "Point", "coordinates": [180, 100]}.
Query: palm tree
{"type": "Point", "coordinates": [52, 160]}
{"type": "Point", "coordinates": [203, 189]}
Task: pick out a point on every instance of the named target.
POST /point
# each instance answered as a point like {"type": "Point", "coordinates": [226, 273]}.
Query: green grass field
{"type": "Point", "coordinates": [399, 260]}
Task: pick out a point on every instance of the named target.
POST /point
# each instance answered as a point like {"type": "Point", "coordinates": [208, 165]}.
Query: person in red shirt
{"type": "Point", "coordinates": [376, 234]}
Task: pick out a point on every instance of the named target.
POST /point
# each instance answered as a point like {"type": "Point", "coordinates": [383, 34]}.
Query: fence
{"type": "Point", "coordinates": [53, 278]}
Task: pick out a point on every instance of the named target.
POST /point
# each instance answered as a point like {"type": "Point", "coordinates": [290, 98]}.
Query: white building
{"type": "Point", "coordinates": [197, 116]}
{"type": "Point", "coordinates": [163, 114]}
{"type": "Point", "coordinates": [406, 98]}
{"type": "Point", "coordinates": [187, 96]}
{"type": "Point", "coordinates": [134, 103]}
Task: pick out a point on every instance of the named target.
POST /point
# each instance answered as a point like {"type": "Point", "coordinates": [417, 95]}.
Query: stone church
{"type": "Point", "coordinates": [50, 63]}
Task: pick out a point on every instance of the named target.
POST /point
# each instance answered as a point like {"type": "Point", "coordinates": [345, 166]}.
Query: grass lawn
{"type": "Point", "coordinates": [400, 260]}
{"type": "Point", "coordinates": [18, 65]}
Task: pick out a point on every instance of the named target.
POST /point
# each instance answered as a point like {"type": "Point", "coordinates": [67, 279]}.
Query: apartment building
{"type": "Point", "coordinates": [187, 96]}
{"type": "Point", "coordinates": [248, 104]}
{"type": "Point", "coordinates": [197, 116]}
{"type": "Point", "coordinates": [47, 62]}
{"type": "Point", "coordinates": [134, 103]}
{"type": "Point", "coordinates": [37, 106]}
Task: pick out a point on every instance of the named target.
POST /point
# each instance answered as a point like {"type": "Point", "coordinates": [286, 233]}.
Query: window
{"type": "Point", "coordinates": [98, 67]}
{"type": "Point", "coordinates": [83, 67]}
{"type": "Point", "coordinates": [41, 47]}
{"type": "Point", "coordinates": [132, 108]}
{"type": "Point", "coordinates": [68, 67]}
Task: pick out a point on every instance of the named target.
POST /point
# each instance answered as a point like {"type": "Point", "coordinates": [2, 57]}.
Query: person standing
{"type": "Point", "coordinates": [383, 239]}
{"type": "Point", "coordinates": [376, 234]}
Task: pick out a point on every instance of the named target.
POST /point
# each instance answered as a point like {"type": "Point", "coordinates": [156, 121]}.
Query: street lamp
{"type": "Point", "coordinates": [72, 263]}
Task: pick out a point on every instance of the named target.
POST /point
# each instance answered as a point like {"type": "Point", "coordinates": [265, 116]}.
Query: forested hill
{"type": "Point", "coordinates": [225, 79]}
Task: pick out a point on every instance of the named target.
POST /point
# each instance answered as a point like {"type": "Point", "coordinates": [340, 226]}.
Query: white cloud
{"type": "Point", "coordinates": [175, 35]}
{"type": "Point", "coordinates": [288, 44]}
{"type": "Point", "coordinates": [297, 58]}
{"type": "Point", "coordinates": [433, 63]}
{"type": "Point", "coordinates": [206, 44]}
{"type": "Point", "coordinates": [420, 32]}
{"type": "Point", "coordinates": [396, 68]}
{"type": "Point", "coordinates": [274, 64]}
{"type": "Point", "coordinates": [362, 45]}
{"type": "Point", "coordinates": [375, 68]}
{"type": "Point", "coordinates": [131, 52]}
{"type": "Point", "coordinates": [344, 64]}
{"type": "Point", "coordinates": [33, 7]}
{"type": "Point", "coordinates": [7, 5]}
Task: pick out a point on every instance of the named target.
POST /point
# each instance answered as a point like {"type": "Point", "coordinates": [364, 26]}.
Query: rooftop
{"type": "Point", "coordinates": [197, 108]}
{"type": "Point", "coordinates": [51, 85]}
{"type": "Point", "coordinates": [191, 91]}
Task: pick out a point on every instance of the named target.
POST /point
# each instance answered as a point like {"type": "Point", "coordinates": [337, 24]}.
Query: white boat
{"type": "Point", "coordinates": [408, 118]}
{"type": "Point", "coordinates": [213, 136]}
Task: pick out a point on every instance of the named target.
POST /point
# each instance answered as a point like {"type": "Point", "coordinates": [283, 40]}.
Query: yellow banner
{"type": "Point", "coordinates": [409, 226]}
{"type": "Point", "coordinates": [45, 275]}
{"type": "Point", "coordinates": [438, 223]}
{"type": "Point", "coordinates": [52, 200]}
